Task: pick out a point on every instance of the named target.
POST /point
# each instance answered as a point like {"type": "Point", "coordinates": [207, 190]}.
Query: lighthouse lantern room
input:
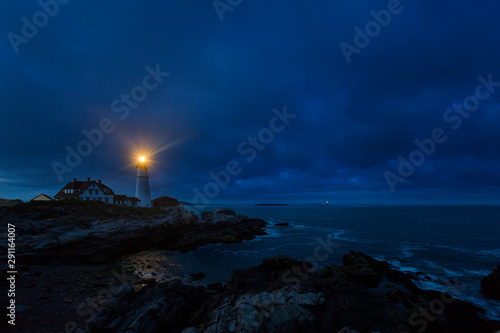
{"type": "Point", "coordinates": [142, 191]}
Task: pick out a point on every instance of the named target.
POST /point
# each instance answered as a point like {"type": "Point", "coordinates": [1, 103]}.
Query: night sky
{"type": "Point", "coordinates": [350, 106]}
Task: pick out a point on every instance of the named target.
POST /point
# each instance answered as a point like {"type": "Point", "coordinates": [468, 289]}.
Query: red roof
{"type": "Point", "coordinates": [123, 197]}
{"type": "Point", "coordinates": [79, 187]}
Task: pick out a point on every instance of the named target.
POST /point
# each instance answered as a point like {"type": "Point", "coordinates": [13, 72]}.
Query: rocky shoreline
{"type": "Point", "coordinates": [68, 250]}
{"type": "Point", "coordinates": [95, 233]}
{"type": "Point", "coordinates": [285, 295]}
{"type": "Point", "coordinates": [70, 280]}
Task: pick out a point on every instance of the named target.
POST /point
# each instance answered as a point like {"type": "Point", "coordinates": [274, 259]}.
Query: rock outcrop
{"type": "Point", "coordinates": [490, 285]}
{"type": "Point", "coordinates": [284, 295]}
{"type": "Point", "coordinates": [96, 233]}
{"type": "Point", "coordinates": [218, 226]}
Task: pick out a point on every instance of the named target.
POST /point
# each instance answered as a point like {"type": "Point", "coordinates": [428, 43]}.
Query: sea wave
{"type": "Point", "coordinates": [494, 252]}
{"type": "Point", "coordinates": [477, 272]}
{"type": "Point", "coordinates": [398, 265]}
{"type": "Point", "coordinates": [406, 250]}
{"type": "Point", "coordinates": [465, 293]}
{"type": "Point", "coordinates": [272, 233]}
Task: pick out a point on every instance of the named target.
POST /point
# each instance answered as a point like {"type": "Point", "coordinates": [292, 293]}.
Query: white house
{"type": "Point", "coordinates": [93, 190]}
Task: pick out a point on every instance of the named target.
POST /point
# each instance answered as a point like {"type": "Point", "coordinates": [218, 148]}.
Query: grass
{"type": "Point", "coordinates": [92, 208]}
{"type": "Point", "coordinates": [9, 202]}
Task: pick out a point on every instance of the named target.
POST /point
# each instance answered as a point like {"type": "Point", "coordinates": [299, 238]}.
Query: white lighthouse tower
{"type": "Point", "coordinates": [142, 186]}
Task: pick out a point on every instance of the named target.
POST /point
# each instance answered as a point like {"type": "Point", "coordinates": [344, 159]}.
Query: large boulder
{"type": "Point", "coordinates": [360, 269]}
{"type": "Point", "coordinates": [283, 310]}
{"type": "Point", "coordinates": [149, 308]}
{"type": "Point", "coordinates": [220, 215]}
{"type": "Point", "coordinates": [219, 226]}
{"type": "Point", "coordinates": [364, 270]}
{"type": "Point", "coordinates": [490, 285]}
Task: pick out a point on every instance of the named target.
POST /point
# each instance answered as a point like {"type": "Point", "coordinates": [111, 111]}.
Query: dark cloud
{"type": "Point", "coordinates": [353, 120]}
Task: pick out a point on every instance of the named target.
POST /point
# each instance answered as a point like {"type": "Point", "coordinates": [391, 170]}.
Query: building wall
{"type": "Point", "coordinates": [95, 193]}
{"type": "Point", "coordinates": [142, 191]}
{"type": "Point", "coordinates": [41, 198]}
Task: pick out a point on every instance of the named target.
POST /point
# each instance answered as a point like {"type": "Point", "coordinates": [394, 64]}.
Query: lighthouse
{"type": "Point", "coordinates": [142, 186]}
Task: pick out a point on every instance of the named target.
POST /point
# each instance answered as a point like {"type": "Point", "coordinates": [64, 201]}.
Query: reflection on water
{"type": "Point", "coordinates": [155, 264]}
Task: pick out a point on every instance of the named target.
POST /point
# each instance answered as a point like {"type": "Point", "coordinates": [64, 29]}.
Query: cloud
{"type": "Point", "coordinates": [354, 120]}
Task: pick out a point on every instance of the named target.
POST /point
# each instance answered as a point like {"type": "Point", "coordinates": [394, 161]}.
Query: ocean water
{"type": "Point", "coordinates": [449, 244]}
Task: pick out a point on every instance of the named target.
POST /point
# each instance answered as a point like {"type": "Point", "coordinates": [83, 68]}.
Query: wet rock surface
{"type": "Point", "coordinates": [490, 285]}
{"type": "Point", "coordinates": [285, 295]}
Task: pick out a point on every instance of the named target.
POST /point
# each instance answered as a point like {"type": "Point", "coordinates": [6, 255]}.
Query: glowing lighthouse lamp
{"type": "Point", "coordinates": [142, 191]}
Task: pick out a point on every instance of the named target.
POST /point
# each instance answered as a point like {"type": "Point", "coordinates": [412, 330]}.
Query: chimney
{"type": "Point", "coordinates": [100, 181]}
{"type": "Point", "coordinates": [88, 179]}
{"type": "Point", "coordinates": [74, 179]}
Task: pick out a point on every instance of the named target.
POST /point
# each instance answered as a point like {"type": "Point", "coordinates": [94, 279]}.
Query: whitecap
{"type": "Point", "coordinates": [477, 272]}
{"type": "Point", "coordinates": [406, 250]}
{"type": "Point", "coordinates": [402, 267]}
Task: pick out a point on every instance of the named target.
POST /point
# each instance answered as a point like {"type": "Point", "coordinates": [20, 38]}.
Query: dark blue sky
{"type": "Point", "coordinates": [353, 120]}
